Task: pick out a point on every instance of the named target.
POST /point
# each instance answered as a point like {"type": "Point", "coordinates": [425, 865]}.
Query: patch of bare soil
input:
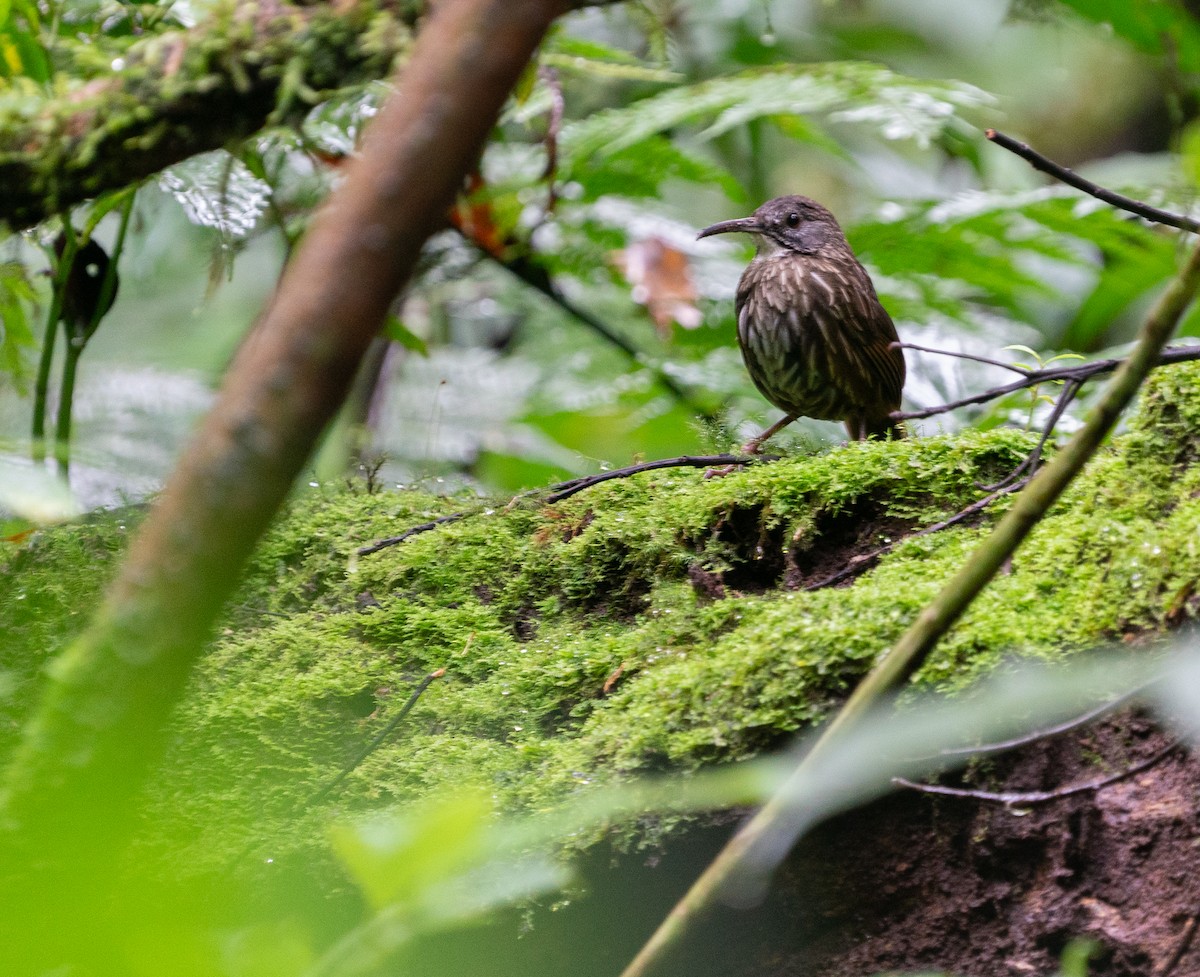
{"type": "Point", "coordinates": [919, 883]}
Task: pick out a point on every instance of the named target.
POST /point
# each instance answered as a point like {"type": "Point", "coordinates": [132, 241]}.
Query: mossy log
{"type": "Point", "coordinates": [658, 622]}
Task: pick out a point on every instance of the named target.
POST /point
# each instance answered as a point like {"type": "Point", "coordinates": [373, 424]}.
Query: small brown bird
{"type": "Point", "coordinates": [815, 339]}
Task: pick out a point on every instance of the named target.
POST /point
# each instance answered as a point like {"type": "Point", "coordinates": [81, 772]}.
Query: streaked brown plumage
{"type": "Point", "coordinates": [815, 339]}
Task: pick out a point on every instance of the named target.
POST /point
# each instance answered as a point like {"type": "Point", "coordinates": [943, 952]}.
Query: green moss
{"type": "Point", "coordinates": [648, 623]}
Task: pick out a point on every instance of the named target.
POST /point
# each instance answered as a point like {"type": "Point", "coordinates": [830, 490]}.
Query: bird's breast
{"type": "Point", "coordinates": [792, 311]}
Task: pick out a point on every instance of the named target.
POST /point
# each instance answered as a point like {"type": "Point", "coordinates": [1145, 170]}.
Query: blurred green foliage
{"type": "Point", "coordinates": [637, 128]}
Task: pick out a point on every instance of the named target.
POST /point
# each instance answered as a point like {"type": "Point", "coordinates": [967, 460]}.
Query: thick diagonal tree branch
{"type": "Point", "coordinates": [70, 788]}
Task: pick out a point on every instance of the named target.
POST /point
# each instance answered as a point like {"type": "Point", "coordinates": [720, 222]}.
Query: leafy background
{"type": "Point", "coordinates": [674, 116]}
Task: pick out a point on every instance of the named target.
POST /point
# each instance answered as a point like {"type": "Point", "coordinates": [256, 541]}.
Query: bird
{"type": "Point", "coordinates": [815, 339]}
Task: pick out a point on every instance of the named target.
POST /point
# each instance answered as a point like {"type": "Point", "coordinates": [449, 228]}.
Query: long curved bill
{"type": "Point", "coordinates": [746, 225]}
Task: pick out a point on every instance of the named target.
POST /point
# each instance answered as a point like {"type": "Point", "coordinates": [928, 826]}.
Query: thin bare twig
{"type": "Point", "coordinates": [868, 560]}
{"type": "Point", "coordinates": [1029, 798]}
{"type": "Point", "coordinates": [1080, 373]}
{"type": "Point", "coordinates": [553, 128]}
{"type": "Point", "coordinates": [1033, 459]}
{"type": "Point", "coordinates": [424, 527]}
{"type": "Point", "coordinates": [1047, 732]}
{"type": "Point", "coordinates": [958, 354]}
{"type": "Point", "coordinates": [379, 737]}
{"type": "Point", "coordinates": [1073, 179]}
{"type": "Point", "coordinates": [564, 490]}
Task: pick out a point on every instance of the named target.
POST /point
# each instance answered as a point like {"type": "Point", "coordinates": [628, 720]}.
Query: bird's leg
{"type": "Point", "coordinates": [754, 445]}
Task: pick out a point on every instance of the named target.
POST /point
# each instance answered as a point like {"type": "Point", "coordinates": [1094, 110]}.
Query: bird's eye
{"type": "Point", "coordinates": [792, 219]}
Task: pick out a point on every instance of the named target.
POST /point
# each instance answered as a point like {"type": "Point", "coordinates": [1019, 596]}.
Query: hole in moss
{"type": "Point", "coordinates": [525, 624]}
{"type": "Point", "coordinates": [855, 532]}
{"type": "Point", "coordinates": [754, 553]}
{"type": "Point", "coordinates": [358, 705]}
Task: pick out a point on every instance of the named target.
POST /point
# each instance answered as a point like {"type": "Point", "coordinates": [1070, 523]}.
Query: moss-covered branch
{"type": "Point", "coordinates": [183, 92]}
{"type": "Point", "coordinates": [179, 93]}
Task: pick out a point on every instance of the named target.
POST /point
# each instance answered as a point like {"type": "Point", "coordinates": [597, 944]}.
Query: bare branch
{"type": "Point", "coordinates": [567, 489]}
{"type": "Point", "coordinates": [1033, 459]}
{"type": "Point", "coordinates": [1073, 179]}
{"type": "Point", "coordinates": [1031, 797]}
{"type": "Point", "coordinates": [1079, 374]}
{"type": "Point", "coordinates": [958, 354]}
{"type": "Point", "coordinates": [564, 490]}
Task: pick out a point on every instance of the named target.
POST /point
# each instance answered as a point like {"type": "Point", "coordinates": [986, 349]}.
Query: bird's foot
{"type": "Point", "coordinates": [751, 448]}
{"type": "Point", "coordinates": [721, 472]}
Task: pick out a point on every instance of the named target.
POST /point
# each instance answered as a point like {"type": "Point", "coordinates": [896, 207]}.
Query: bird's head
{"type": "Point", "coordinates": [792, 223]}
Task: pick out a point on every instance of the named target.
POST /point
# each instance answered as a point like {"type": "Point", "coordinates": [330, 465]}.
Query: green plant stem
{"type": "Point", "coordinates": [41, 390]}
{"type": "Point", "coordinates": [772, 831]}
{"type": "Point", "coordinates": [66, 394]}
{"type": "Point", "coordinates": [108, 287]}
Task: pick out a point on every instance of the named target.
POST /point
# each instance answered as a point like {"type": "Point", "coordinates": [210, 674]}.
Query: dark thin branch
{"type": "Point", "coordinates": [377, 741]}
{"type": "Point", "coordinates": [1047, 732]}
{"type": "Point", "coordinates": [1024, 371]}
{"type": "Point", "coordinates": [1029, 798]}
{"type": "Point", "coordinates": [425, 527]}
{"type": "Point", "coordinates": [564, 490]}
{"type": "Point", "coordinates": [1034, 458]}
{"type": "Point", "coordinates": [567, 489]}
{"type": "Point", "coordinates": [553, 130]}
{"type": "Point", "coordinates": [537, 278]}
{"type": "Point", "coordinates": [864, 562]}
{"type": "Point", "coordinates": [1080, 373]}
{"type": "Point", "coordinates": [1071, 178]}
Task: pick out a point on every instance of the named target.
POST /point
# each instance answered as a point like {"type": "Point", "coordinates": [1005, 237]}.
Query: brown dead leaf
{"type": "Point", "coordinates": [660, 277]}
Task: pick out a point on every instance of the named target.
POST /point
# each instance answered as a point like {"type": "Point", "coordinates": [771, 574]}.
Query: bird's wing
{"type": "Point", "coordinates": [863, 329]}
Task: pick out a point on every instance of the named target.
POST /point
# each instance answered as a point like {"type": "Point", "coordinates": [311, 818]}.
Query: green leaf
{"type": "Point", "coordinates": [594, 60]}
{"type": "Point", "coordinates": [16, 335]}
{"type": "Point", "coordinates": [397, 859]}
{"type": "Point", "coordinates": [900, 107]}
{"type": "Point", "coordinates": [976, 249]}
{"type": "Point", "coordinates": [640, 171]}
{"type": "Point", "coordinates": [21, 50]}
{"type": "Point", "coordinates": [397, 331]}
